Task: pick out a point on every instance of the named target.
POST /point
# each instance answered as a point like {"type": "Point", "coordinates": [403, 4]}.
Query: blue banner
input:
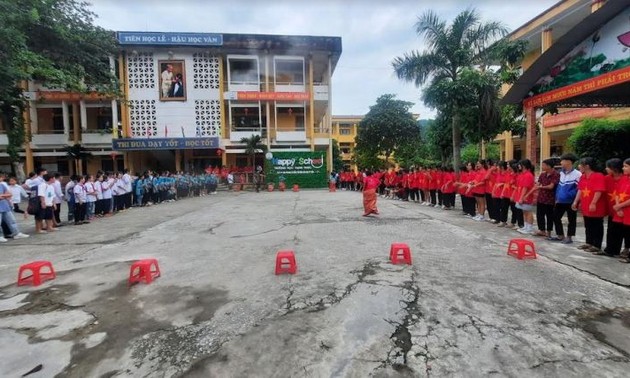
{"type": "Point", "coordinates": [131, 144]}
{"type": "Point", "coordinates": [175, 39]}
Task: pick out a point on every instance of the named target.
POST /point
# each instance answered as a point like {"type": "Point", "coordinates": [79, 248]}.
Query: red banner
{"type": "Point", "coordinates": [70, 96]}
{"type": "Point", "coordinates": [273, 96]}
{"type": "Point", "coordinates": [574, 116]}
{"type": "Point", "coordinates": [606, 80]}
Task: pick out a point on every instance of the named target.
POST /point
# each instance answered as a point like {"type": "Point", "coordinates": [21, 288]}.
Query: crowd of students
{"type": "Point", "coordinates": [92, 196]}
{"type": "Point", "coordinates": [509, 195]}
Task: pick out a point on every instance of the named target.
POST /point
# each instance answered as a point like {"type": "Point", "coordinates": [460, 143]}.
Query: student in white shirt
{"type": "Point", "coordinates": [98, 188]}
{"type": "Point", "coordinates": [69, 196]}
{"type": "Point", "coordinates": [35, 181]}
{"type": "Point", "coordinates": [18, 193]}
{"type": "Point", "coordinates": [107, 184]}
{"type": "Point", "coordinates": [126, 178]}
{"type": "Point", "coordinates": [57, 200]}
{"type": "Point", "coordinates": [46, 193]}
{"type": "Point", "coordinates": [91, 197]}
{"type": "Point", "coordinates": [80, 200]}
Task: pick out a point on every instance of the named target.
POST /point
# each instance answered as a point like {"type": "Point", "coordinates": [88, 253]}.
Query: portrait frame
{"type": "Point", "coordinates": [169, 91]}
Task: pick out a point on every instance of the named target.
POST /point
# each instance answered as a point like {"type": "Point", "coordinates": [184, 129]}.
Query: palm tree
{"type": "Point", "coordinates": [77, 153]}
{"type": "Point", "coordinates": [254, 145]}
{"type": "Point", "coordinates": [451, 49]}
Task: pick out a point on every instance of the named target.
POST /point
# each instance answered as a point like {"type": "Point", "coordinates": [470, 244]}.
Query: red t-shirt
{"type": "Point", "coordinates": [624, 195]}
{"type": "Point", "coordinates": [509, 180]}
{"type": "Point", "coordinates": [448, 181]}
{"type": "Point", "coordinates": [498, 188]}
{"type": "Point", "coordinates": [588, 186]}
{"type": "Point", "coordinates": [524, 183]}
{"type": "Point", "coordinates": [491, 178]}
{"type": "Point", "coordinates": [615, 193]}
{"type": "Point", "coordinates": [371, 182]}
{"type": "Point", "coordinates": [479, 177]}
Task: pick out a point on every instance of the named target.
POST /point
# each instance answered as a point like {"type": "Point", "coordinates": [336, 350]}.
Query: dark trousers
{"type": "Point", "coordinates": [503, 210]}
{"type": "Point", "coordinates": [558, 213]}
{"type": "Point", "coordinates": [544, 217]}
{"type": "Point", "coordinates": [517, 215]}
{"type": "Point", "coordinates": [490, 205]}
{"type": "Point", "coordinates": [448, 199]}
{"type": "Point", "coordinates": [440, 197]}
{"type": "Point", "coordinates": [594, 231]}
{"type": "Point", "coordinates": [57, 212]}
{"type": "Point", "coordinates": [434, 197]}
{"type": "Point", "coordinates": [128, 199]}
{"type": "Point", "coordinates": [79, 212]}
{"type": "Point", "coordinates": [413, 194]}
{"type": "Point", "coordinates": [469, 205]}
{"type": "Point", "coordinates": [616, 235]}
{"type": "Point", "coordinates": [422, 196]}
{"type": "Point", "coordinates": [16, 208]}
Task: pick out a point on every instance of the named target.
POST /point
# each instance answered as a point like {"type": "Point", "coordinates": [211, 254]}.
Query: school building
{"type": "Point", "coordinates": [188, 100]}
{"type": "Point", "coordinates": [344, 131]}
{"type": "Point", "coordinates": [578, 60]}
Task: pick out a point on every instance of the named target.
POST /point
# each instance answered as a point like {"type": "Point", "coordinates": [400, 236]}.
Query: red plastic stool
{"type": "Point", "coordinates": [37, 276]}
{"type": "Point", "coordinates": [332, 187]}
{"type": "Point", "coordinates": [145, 271]}
{"type": "Point", "coordinates": [522, 249]}
{"type": "Point", "coordinates": [285, 258]}
{"type": "Point", "coordinates": [395, 254]}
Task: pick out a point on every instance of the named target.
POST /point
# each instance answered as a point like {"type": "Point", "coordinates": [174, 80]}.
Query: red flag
{"type": "Point", "coordinates": [165, 131]}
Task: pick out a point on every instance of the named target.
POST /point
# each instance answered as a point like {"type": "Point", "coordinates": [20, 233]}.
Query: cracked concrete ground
{"type": "Point", "coordinates": [464, 308]}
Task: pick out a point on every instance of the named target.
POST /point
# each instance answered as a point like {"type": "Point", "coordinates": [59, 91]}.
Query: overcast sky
{"type": "Point", "coordinates": [373, 32]}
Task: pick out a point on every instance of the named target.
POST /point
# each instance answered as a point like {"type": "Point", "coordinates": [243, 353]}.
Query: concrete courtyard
{"type": "Point", "coordinates": [464, 308]}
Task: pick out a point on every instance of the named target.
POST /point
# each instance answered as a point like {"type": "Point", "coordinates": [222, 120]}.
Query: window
{"type": "Point", "coordinates": [345, 129]}
{"type": "Point", "coordinates": [290, 117]}
{"type": "Point", "coordinates": [245, 117]}
{"type": "Point", "coordinates": [244, 70]}
{"type": "Point", "coordinates": [289, 71]}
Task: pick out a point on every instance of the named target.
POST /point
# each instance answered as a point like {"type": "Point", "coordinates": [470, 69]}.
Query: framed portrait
{"type": "Point", "coordinates": [172, 77]}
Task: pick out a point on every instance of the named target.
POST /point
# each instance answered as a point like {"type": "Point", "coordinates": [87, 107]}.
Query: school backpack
{"type": "Point", "coordinates": [34, 204]}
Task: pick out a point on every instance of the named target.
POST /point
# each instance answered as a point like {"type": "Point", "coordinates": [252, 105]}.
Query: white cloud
{"type": "Point", "coordinates": [373, 32]}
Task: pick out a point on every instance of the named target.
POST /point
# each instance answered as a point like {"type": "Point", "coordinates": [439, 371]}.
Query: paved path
{"type": "Point", "coordinates": [463, 308]}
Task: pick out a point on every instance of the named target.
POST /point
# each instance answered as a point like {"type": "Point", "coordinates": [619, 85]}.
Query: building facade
{"type": "Point", "coordinates": [571, 30]}
{"type": "Point", "coordinates": [188, 101]}
{"type": "Point", "coordinates": [344, 131]}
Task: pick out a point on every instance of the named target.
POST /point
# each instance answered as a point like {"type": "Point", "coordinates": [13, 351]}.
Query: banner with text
{"type": "Point", "coordinates": [131, 144]}
{"type": "Point", "coordinates": [174, 39]}
{"type": "Point", "coordinates": [307, 169]}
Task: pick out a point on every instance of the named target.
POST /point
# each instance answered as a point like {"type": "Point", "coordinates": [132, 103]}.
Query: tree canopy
{"type": "Point", "coordinates": [388, 125]}
{"type": "Point", "coordinates": [455, 68]}
{"type": "Point", "coordinates": [55, 43]}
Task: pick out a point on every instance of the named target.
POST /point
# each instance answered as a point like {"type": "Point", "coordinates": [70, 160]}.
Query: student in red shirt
{"type": "Point", "coordinates": [622, 208]}
{"type": "Point", "coordinates": [448, 188]}
{"type": "Point", "coordinates": [490, 179]}
{"type": "Point", "coordinates": [509, 193]}
{"type": "Point", "coordinates": [525, 186]}
{"type": "Point", "coordinates": [413, 185]}
{"type": "Point", "coordinates": [591, 200]}
{"type": "Point", "coordinates": [369, 194]}
{"type": "Point", "coordinates": [477, 187]}
{"type": "Point", "coordinates": [614, 194]}
{"type": "Point", "coordinates": [497, 189]}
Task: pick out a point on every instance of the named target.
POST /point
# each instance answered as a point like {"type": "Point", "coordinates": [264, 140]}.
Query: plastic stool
{"type": "Point", "coordinates": [332, 187]}
{"type": "Point", "coordinates": [522, 249]}
{"type": "Point", "coordinates": [285, 258]}
{"type": "Point", "coordinates": [145, 271]}
{"type": "Point", "coordinates": [395, 254]}
{"type": "Point", "coordinates": [37, 276]}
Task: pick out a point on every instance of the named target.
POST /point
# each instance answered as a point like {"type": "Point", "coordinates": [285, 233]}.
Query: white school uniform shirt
{"type": "Point", "coordinates": [120, 187]}
{"type": "Point", "coordinates": [17, 193]}
{"type": "Point", "coordinates": [127, 182]}
{"type": "Point", "coordinates": [98, 187]}
{"type": "Point", "coordinates": [48, 192]}
{"type": "Point", "coordinates": [58, 193]}
{"type": "Point", "coordinates": [80, 195]}
{"type": "Point", "coordinates": [89, 187]}
{"type": "Point", "coordinates": [69, 189]}
{"type": "Point", "coordinates": [106, 185]}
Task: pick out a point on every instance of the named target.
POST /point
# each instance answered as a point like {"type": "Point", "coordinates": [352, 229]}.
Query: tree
{"type": "Point", "coordinates": [253, 146]}
{"type": "Point", "coordinates": [451, 49]}
{"type": "Point", "coordinates": [388, 125]}
{"type": "Point", "coordinates": [55, 43]}
{"type": "Point", "coordinates": [337, 161]}
{"type": "Point", "coordinates": [77, 154]}
{"type": "Point", "coordinates": [602, 139]}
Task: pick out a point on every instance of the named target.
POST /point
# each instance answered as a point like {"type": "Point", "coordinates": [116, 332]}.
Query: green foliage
{"type": "Point", "coordinates": [452, 50]}
{"type": "Point", "coordinates": [337, 160]}
{"type": "Point", "coordinates": [253, 146]}
{"type": "Point", "coordinates": [53, 42]}
{"type": "Point", "coordinates": [439, 139]}
{"type": "Point", "coordinates": [388, 125]}
{"type": "Point", "coordinates": [77, 152]}
{"type": "Point", "coordinates": [471, 152]}
{"type": "Point", "coordinates": [602, 139]}
{"type": "Point", "coordinates": [368, 158]}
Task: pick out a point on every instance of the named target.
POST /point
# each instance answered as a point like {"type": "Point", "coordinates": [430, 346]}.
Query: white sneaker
{"type": "Point", "coordinates": [443, 207]}
{"type": "Point", "coordinates": [524, 230]}
{"type": "Point", "coordinates": [20, 236]}
{"type": "Point", "coordinates": [3, 240]}
{"type": "Point", "coordinates": [476, 217]}
{"type": "Point", "coordinates": [481, 218]}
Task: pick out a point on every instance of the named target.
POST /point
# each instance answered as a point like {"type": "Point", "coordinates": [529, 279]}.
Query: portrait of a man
{"type": "Point", "coordinates": [172, 80]}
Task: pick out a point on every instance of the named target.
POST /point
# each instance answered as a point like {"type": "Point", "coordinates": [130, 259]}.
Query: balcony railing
{"type": "Point", "coordinates": [96, 137]}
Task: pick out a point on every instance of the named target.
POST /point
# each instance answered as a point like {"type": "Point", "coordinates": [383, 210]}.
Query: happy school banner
{"type": "Point", "coordinates": [307, 169]}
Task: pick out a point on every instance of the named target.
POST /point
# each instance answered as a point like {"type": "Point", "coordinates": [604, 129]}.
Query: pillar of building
{"type": "Point", "coordinates": [509, 145]}
{"type": "Point", "coordinates": [178, 160]}
{"type": "Point", "coordinates": [531, 142]}
{"type": "Point", "coordinates": [596, 4]}
{"type": "Point", "coordinates": [76, 125]}
{"type": "Point", "coordinates": [545, 143]}
{"type": "Point", "coordinates": [30, 163]}
{"type": "Point", "coordinates": [311, 105]}
{"type": "Point", "coordinates": [329, 118]}
{"type": "Point", "coordinates": [547, 39]}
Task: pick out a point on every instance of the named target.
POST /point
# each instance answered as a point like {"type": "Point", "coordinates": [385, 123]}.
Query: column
{"type": "Point", "coordinates": [596, 5]}
{"type": "Point", "coordinates": [329, 118]}
{"type": "Point", "coordinates": [546, 39]}
{"type": "Point", "coordinates": [509, 146]}
{"type": "Point", "coordinates": [66, 119]}
{"type": "Point", "coordinates": [267, 104]}
{"type": "Point", "coordinates": [224, 125]}
{"type": "Point", "coordinates": [76, 128]}
{"type": "Point", "coordinates": [310, 132]}
{"type": "Point", "coordinates": [545, 143]}
{"type": "Point", "coordinates": [83, 115]}
{"type": "Point", "coordinates": [28, 124]}
{"type": "Point", "coordinates": [178, 160]}
{"type": "Point", "coordinates": [531, 143]}
{"type": "Point", "coordinates": [115, 118]}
